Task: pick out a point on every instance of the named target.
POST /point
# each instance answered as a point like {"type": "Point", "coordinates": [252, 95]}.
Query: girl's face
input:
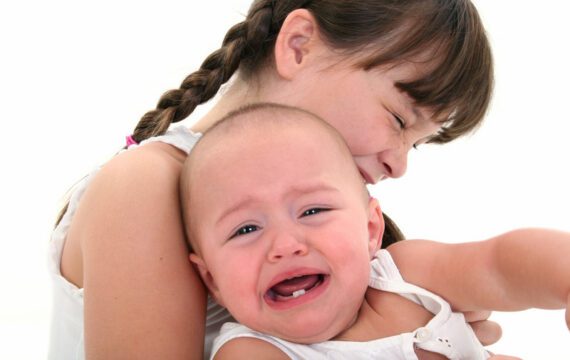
{"type": "Point", "coordinates": [282, 240]}
{"type": "Point", "coordinates": [379, 123]}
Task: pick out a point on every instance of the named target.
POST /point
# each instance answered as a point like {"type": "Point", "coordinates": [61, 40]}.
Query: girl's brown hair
{"type": "Point", "coordinates": [446, 34]}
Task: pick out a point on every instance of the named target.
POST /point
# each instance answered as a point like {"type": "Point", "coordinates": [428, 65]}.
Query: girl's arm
{"type": "Point", "coordinates": [514, 271]}
{"type": "Point", "coordinates": [143, 300]}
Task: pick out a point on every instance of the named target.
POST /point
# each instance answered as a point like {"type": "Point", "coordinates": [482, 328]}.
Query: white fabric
{"type": "Point", "coordinates": [66, 335]}
{"type": "Point", "coordinates": [446, 333]}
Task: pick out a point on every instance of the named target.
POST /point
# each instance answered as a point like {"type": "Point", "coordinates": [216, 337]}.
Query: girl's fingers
{"type": "Point", "coordinates": [472, 316]}
{"type": "Point", "coordinates": [568, 312]}
{"type": "Point", "coordinates": [488, 332]}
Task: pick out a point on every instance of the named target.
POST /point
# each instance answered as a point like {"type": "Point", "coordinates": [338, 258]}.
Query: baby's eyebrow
{"type": "Point", "coordinates": [294, 191]}
{"type": "Point", "coordinates": [243, 203]}
{"type": "Point", "coordinates": [311, 188]}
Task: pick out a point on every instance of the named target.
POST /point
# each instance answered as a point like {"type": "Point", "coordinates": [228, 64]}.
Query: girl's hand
{"type": "Point", "coordinates": [488, 332]}
{"type": "Point", "coordinates": [568, 312]}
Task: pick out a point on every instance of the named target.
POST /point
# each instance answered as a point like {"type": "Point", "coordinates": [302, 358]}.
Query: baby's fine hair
{"type": "Point", "coordinates": [447, 35]}
{"type": "Point", "coordinates": [262, 117]}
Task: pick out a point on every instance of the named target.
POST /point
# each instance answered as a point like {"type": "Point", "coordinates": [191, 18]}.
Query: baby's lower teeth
{"type": "Point", "coordinates": [298, 293]}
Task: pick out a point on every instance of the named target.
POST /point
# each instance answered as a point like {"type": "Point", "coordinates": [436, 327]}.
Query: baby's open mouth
{"type": "Point", "coordinates": [294, 287]}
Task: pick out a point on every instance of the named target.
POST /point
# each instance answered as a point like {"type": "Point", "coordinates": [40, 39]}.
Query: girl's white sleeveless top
{"type": "Point", "coordinates": [66, 333]}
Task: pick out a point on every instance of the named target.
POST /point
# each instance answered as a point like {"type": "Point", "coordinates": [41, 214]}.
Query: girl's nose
{"type": "Point", "coordinates": [395, 162]}
{"type": "Point", "coordinates": [284, 245]}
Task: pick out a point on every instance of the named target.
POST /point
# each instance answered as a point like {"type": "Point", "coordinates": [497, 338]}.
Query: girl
{"type": "Point", "coordinates": [388, 75]}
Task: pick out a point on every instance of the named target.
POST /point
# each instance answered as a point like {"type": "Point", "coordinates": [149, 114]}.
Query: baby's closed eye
{"type": "Point", "coordinates": [244, 230]}
{"type": "Point", "coordinates": [314, 211]}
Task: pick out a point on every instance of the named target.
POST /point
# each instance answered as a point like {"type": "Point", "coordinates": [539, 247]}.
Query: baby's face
{"type": "Point", "coordinates": [283, 227]}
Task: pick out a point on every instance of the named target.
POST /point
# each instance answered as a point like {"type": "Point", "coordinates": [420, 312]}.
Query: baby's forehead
{"type": "Point", "coordinates": [291, 126]}
{"type": "Point", "coordinates": [266, 135]}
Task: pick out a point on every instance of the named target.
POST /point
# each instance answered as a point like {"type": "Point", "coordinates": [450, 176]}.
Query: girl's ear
{"type": "Point", "coordinates": [375, 226]}
{"type": "Point", "coordinates": [295, 41]}
{"type": "Point", "coordinates": [206, 276]}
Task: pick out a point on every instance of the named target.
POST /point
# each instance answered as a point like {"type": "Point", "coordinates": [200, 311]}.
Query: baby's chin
{"type": "Point", "coordinates": [311, 334]}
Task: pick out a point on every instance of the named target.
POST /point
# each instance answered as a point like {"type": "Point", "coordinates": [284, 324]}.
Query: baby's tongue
{"type": "Point", "coordinates": [289, 286]}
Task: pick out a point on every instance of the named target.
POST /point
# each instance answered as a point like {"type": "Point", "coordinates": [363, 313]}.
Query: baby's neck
{"type": "Point", "coordinates": [382, 315]}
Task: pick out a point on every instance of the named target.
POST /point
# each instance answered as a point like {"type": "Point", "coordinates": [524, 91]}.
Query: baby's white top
{"type": "Point", "coordinates": [446, 333]}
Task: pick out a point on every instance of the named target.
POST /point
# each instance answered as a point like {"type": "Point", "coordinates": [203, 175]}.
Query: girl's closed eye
{"type": "Point", "coordinates": [401, 123]}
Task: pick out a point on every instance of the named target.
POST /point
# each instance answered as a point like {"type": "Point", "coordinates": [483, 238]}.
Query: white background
{"type": "Point", "coordinates": [76, 76]}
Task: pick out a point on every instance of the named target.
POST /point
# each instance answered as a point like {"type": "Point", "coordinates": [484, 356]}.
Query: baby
{"type": "Point", "coordinates": [285, 235]}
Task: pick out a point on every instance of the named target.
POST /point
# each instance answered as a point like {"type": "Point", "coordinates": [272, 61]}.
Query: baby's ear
{"type": "Point", "coordinates": [375, 226]}
{"type": "Point", "coordinates": [206, 276]}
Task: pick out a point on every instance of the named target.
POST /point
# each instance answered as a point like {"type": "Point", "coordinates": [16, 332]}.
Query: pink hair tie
{"type": "Point", "coordinates": [131, 141]}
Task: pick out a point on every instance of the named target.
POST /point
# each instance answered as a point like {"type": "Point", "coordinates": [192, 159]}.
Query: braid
{"type": "Point", "coordinates": [242, 41]}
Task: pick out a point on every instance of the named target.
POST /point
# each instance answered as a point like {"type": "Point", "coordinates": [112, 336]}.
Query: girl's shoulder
{"type": "Point", "coordinates": [165, 153]}
{"type": "Point", "coordinates": [151, 156]}
{"type": "Point", "coordinates": [249, 348]}
{"type": "Point", "coordinates": [134, 185]}
{"type": "Point", "coordinates": [155, 164]}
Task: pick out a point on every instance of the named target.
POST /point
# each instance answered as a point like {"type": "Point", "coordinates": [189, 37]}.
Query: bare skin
{"type": "Point", "coordinates": [136, 277]}
{"type": "Point", "coordinates": [126, 244]}
{"type": "Point", "coordinates": [257, 225]}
